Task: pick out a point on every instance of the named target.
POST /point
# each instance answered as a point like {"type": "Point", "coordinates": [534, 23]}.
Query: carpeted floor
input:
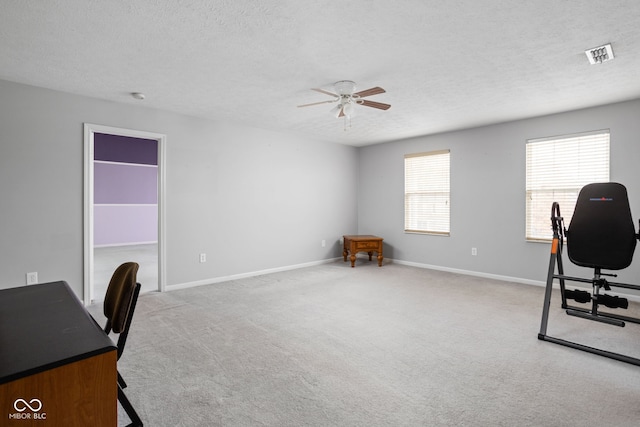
{"type": "Point", "coordinates": [392, 346]}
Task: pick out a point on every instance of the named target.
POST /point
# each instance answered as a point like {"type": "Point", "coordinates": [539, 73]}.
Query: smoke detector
{"type": "Point", "coordinates": [599, 54]}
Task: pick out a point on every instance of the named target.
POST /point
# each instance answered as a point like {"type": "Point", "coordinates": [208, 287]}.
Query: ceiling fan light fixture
{"type": "Point", "coordinates": [344, 87]}
{"type": "Point", "coordinates": [335, 111]}
{"type": "Point", "coordinates": [349, 110]}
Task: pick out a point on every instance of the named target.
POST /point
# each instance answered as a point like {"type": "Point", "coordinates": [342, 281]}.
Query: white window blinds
{"type": "Point", "coordinates": [557, 168]}
{"type": "Point", "coordinates": [426, 192]}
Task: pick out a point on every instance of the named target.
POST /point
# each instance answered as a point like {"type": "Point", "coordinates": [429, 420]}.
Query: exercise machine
{"type": "Point", "coordinates": [602, 236]}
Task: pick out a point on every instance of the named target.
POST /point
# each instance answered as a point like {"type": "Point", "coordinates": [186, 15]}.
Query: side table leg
{"type": "Point", "coordinates": [344, 254]}
{"type": "Point", "coordinates": [370, 253]}
{"type": "Point", "coordinates": [380, 259]}
{"type": "Point", "coordinates": [353, 260]}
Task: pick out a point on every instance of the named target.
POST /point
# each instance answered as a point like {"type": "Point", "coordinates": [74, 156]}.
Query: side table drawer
{"type": "Point", "coordinates": [367, 245]}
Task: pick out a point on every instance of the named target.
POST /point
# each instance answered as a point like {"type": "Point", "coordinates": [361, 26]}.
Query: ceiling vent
{"type": "Point", "coordinates": [599, 54]}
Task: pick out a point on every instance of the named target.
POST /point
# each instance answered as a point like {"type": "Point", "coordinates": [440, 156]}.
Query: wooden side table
{"type": "Point", "coordinates": [365, 243]}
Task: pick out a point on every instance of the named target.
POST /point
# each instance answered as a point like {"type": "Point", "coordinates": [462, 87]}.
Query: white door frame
{"type": "Point", "coordinates": [89, 131]}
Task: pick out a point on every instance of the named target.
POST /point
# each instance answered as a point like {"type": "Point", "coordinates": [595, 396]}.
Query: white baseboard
{"type": "Point", "coordinates": [249, 274]}
{"type": "Point", "coordinates": [113, 245]}
{"type": "Point", "coordinates": [630, 297]}
{"type": "Point", "coordinates": [473, 273]}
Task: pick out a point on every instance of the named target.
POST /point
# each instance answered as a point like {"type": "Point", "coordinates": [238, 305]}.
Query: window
{"type": "Point", "coordinates": [426, 192]}
{"type": "Point", "coordinates": [557, 168]}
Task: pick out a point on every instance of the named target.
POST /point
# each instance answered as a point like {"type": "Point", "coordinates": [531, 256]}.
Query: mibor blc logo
{"type": "Point", "coordinates": [31, 410]}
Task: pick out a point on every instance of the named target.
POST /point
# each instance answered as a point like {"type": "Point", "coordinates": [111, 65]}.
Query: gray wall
{"type": "Point", "coordinates": [488, 192]}
{"type": "Point", "coordinates": [256, 200]}
{"type": "Point", "coordinates": [251, 199]}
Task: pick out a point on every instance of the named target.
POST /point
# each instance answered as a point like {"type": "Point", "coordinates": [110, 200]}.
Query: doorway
{"type": "Point", "coordinates": [123, 207]}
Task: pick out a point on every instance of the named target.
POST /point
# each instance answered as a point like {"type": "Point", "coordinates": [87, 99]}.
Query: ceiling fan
{"type": "Point", "coordinates": [347, 98]}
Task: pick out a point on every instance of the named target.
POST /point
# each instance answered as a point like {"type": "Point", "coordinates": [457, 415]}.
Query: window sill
{"type": "Point", "coordinates": [428, 233]}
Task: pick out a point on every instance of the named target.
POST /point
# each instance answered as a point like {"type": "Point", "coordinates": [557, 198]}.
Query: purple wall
{"type": "Point", "coordinates": [123, 183]}
{"type": "Point", "coordinates": [124, 149]}
{"type": "Point", "coordinates": [125, 190]}
{"type": "Point", "coordinates": [124, 225]}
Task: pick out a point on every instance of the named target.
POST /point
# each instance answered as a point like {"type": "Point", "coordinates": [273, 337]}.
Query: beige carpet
{"type": "Point", "coordinates": [369, 346]}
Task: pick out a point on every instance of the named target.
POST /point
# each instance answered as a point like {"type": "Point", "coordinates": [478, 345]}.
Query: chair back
{"type": "Point", "coordinates": [601, 233]}
{"type": "Point", "coordinates": [120, 301]}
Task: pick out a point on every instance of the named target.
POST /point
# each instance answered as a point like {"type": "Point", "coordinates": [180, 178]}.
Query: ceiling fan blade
{"type": "Point", "coordinates": [373, 91]}
{"type": "Point", "coordinates": [317, 103]}
{"type": "Point", "coordinates": [325, 92]}
{"type": "Point", "coordinates": [341, 112]}
{"type": "Point", "coordinates": [373, 104]}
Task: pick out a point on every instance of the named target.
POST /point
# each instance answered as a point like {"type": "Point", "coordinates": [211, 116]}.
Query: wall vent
{"type": "Point", "coordinates": [599, 54]}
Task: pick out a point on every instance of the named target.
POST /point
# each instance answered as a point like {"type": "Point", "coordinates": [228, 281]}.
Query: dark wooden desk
{"type": "Point", "coordinates": [364, 243]}
{"type": "Point", "coordinates": [57, 366]}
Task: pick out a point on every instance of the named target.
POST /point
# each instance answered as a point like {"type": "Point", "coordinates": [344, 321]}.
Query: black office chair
{"type": "Point", "coordinates": [119, 305]}
{"type": "Point", "coordinates": [601, 236]}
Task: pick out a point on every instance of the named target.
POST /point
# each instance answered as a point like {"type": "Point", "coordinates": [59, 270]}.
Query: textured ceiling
{"type": "Point", "coordinates": [444, 64]}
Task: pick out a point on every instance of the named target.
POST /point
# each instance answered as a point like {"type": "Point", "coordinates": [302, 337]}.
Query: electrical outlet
{"type": "Point", "coordinates": [323, 243]}
{"type": "Point", "coordinates": [203, 257]}
{"type": "Point", "coordinates": [32, 278]}
{"type": "Point", "coordinates": [474, 251]}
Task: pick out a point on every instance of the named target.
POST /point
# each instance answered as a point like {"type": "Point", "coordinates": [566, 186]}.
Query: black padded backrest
{"type": "Point", "coordinates": [119, 296]}
{"type": "Point", "coordinates": [601, 233]}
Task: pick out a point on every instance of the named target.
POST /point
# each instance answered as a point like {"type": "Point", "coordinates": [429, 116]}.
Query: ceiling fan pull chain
{"type": "Point", "coordinates": [345, 122]}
